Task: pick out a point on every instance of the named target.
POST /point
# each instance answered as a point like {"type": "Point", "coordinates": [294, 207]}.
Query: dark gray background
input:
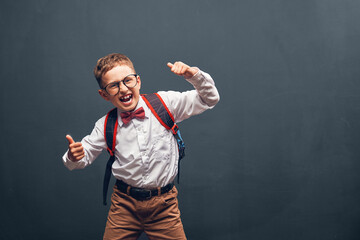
{"type": "Point", "coordinates": [277, 158]}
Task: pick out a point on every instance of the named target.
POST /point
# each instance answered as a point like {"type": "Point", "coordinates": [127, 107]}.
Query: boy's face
{"type": "Point", "coordinates": [127, 98]}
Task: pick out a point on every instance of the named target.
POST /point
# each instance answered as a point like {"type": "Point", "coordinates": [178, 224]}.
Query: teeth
{"type": "Point", "coordinates": [126, 98]}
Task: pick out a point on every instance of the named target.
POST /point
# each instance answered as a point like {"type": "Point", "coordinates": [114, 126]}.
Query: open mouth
{"type": "Point", "coordinates": [126, 98]}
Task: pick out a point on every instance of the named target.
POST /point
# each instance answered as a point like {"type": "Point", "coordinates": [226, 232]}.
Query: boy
{"type": "Point", "coordinates": [146, 156]}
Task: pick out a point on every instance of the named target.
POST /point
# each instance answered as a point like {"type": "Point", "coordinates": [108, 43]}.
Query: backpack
{"type": "Point", "coordinates": [162, 114]}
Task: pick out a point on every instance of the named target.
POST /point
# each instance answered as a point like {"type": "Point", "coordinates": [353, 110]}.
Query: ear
{"type": "Point", "coordinates": [139, 81]}
{"type": "Point", "coordinates": [104, 95]}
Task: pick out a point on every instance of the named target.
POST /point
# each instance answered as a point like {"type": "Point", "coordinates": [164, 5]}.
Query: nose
{"type": "Point", "coordinates": [123, 88]}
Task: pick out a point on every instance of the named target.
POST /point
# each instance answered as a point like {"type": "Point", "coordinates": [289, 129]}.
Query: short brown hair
{"type": "Point", "coordinates": [108, 62]}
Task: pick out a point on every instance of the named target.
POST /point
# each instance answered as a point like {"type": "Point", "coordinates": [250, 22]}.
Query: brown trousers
{"type": "Point", "coordinates": [158, 217]}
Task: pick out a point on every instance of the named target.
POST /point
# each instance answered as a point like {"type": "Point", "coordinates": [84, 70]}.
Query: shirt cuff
{"type": "Point", "coordinates": [205, 86]}
{"type": "Point", "coordinates": [201, 80]}
{"type": "Point", "coordinates": [70, 164]}
{"type": "Point", "coordinates": [195, 77]}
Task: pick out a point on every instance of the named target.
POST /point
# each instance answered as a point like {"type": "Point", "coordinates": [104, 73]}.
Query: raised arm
{"type": "Point", "coordinates": [186, 104]}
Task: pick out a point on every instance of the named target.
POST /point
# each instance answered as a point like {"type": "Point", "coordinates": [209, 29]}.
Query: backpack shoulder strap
{"type": "Point", "coordinates": [110, 129]}
{"type": "Point", "coordinates": [160, 110]}
{"type": "Point", "coordinates": [162, 113]}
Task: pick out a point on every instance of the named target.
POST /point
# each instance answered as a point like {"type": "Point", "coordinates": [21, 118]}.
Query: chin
{"type": "Point", "coordinates": [127, 108]}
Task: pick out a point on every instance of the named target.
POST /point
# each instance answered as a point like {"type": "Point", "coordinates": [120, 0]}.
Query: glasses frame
{"type": "Point", "coordinates": [118, 84]}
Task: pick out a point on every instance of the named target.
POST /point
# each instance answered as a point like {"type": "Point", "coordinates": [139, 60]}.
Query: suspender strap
{"type": "Point", "coordinates": [110, 129]}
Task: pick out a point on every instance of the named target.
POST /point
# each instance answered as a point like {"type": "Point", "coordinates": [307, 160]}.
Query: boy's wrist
{"type": "Point", "coordinates": [69, 158]}
{"type": "Point", "coordinates": [195, 71]}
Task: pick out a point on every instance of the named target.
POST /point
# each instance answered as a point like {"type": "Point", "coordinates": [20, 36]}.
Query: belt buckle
{"type": "Point", "coordinates": [150, 194]}
{"type": "Point", "coordinates": [143, 194]}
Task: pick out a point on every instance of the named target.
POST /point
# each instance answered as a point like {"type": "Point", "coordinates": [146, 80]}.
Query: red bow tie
{"type": "Point", "coordinates": [127, 116]}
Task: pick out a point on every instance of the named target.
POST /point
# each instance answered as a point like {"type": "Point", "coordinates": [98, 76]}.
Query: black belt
{"type": "Point", "coordinates": [142, 194]}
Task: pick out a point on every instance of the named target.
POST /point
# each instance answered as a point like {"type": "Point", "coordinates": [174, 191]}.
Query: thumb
{"type": "Point", "coordinates": [70, 139]}
{"type": "Point", "coordinates": [170, 65]}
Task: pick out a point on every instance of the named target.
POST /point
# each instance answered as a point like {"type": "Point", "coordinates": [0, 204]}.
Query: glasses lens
{"type": "Point", "coordinates": [113, 88]}
{"type": "Point", "coordinates": [130, 81]}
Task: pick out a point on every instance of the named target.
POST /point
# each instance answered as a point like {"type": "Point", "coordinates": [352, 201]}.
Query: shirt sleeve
{"type": "Point", "coordinates": [93, 145]}
{"type": "Point", "coordinates": [186, 104]}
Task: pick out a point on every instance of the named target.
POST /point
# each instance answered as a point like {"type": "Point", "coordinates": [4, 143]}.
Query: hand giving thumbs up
{"type": "Point", "coordinates": [181, 69]}
{"type": "Point", "coordinates": [76, 150]}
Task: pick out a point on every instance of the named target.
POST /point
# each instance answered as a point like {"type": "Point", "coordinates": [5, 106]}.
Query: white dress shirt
{"type": "Point", "coordinates": [146, 153]}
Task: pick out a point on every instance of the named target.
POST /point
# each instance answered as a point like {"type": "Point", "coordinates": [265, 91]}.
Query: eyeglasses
{"type": "Point", "coordinates": [113, 88]}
